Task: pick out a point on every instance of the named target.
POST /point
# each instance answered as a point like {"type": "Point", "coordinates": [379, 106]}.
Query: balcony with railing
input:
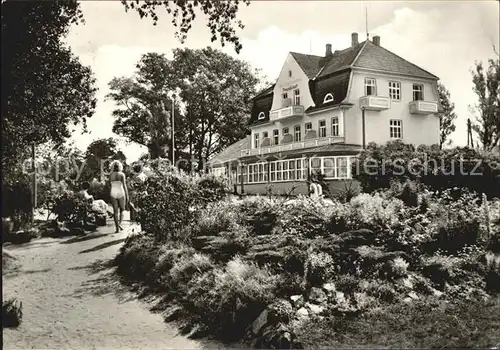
{"type": "Point", "coordinates": [423, 107]}
{"type": "Point", "coordinates": [293, 146]}
{"type": "Point", "coordinates": [286, 112]}
{"type": "Point", "coordinates": [375, 103]}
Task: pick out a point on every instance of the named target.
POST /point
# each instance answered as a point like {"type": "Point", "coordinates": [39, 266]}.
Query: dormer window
{"type": "Point", "coordinates": [328, 98]}
{"type": "Point", "coordinates": [261, 116]}
{"type": "Point", "coordinates": [370, 87]}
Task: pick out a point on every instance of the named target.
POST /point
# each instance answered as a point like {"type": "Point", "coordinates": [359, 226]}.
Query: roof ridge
{"type": "Point", "coordinates": [359, 53]}
{"type": "Point", "coordinates": [413, 64]}
{"type": "Point", "coordinates": [304, 54]}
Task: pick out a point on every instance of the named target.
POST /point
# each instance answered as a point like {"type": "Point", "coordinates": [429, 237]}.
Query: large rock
{"type": "Point", "coordinates": [260, 322]}
{"type": "Point", "coordinates": [297, 300]}
{"type": "Point", "coordinates": [315, 309]}
{"type": "Point", "coordinates": [317, 296]}
{"type": "Point", "coordinates": [329, 287]}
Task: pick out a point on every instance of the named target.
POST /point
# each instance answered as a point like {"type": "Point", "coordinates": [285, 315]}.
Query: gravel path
{"type": "Point", "coordinates": [71, 299]}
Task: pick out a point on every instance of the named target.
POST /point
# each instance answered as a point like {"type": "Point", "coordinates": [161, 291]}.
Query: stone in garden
{"type": "Point", "coordinates": [297, 299]}
{"type": "Point", "coordinates": [340, 297]}
{"type": "Point", "coordinates": [302, 312]}
{"type": "Point", "coordinates": [437, 293]}
{"type": "Point", "coordinates": [329, 287]}
{"type": "Point", "coordinates": [315, 309]}
{"type": "Point", "coordinates": [413, 295]}
{"type": "Point", "coordinates": [259, 322]}
{"type": "Point", "coordinates": [317, 295]}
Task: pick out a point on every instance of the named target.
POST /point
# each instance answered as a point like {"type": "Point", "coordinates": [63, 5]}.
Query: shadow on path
{"type": "Point", "coordinates": [84, 238]}
{"type": "Point", "coordinates": [16, 271]}
{"type": "Point", "coordinates": [103, 246]}
{"type": "Point", "coordinates": [106, 282]}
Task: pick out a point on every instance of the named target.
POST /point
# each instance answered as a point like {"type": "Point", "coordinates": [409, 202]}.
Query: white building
{"type": "Point", "coordinates": [311, 119]}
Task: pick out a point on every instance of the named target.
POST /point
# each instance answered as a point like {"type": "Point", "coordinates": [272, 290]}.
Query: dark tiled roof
{"type": "Point", "coordinates": [379, 58]}
{"type": "Point", "coordinates": [262, 104]}
{"type": "Point", "coordinates": [232, 152]}
{"type": "Point", "coordinates": [310, 64]}
{"type": "Point", "coordinates": [336, 84]}
{"type": "Point", "coordinates": [264, 92]}
{"type": "Point", "coordinates": [340, 60]}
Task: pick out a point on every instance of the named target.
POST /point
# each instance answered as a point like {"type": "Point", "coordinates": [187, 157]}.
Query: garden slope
{"type": "Point", "coordinates": [71, 299]}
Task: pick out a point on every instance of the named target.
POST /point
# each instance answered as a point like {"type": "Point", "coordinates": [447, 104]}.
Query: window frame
{"type": "Point", "coordinates": [395, 90]}
{"type": "Point", "coordinates": [335, 126]}
{"type": "Point", "coordinates": [265, 135]}
{"type": "Point", "coordinates": [256, 140]}
{"type": "Point", "coordinates": [285, 130]}
{"type": "Point", "coordinates": [297, 132]}
{"type": "Point", "coordinates": [374, 86]}
{"type": "Point", "coordinates": [276, 137]}
{"type": "Point", "coordinates": [394, 129]}
{"type": "Point", "coordinates": [328, 98]}
{"type": "Point", "coordinates": [417, 91]}
{"type": "Point", "coordinates": [320, 128]}
{"type": "Point", "coordinates": [296, 97]}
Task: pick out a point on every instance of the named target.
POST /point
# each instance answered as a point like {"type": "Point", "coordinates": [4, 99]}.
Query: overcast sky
{"type": "Point", "coordinates": [444, 38]}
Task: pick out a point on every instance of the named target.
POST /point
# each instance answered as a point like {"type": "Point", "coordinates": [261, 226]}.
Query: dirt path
{"type": "Point", "coordinates": [71, 299]}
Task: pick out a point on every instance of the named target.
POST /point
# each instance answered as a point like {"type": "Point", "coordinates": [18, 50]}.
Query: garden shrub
{"type": "Point", "coordinates": [17, 200]}
{"type": "Point", "coordinates": [12, 313]}
{"type": "Point", "coordinates": [101, 190]}
{"type": "Point", "coordinates": [435, 168]}
{"type": "Point", "coordinates": [71, 208]}
{"type": "Point", "coordinates": [212, 188]}
{"type": "Point", "coordinates": [166, 203]}
{"type": "Point", "coordinates": [229, 299]}
{"type": "Point", "coordinates": [138, 257]}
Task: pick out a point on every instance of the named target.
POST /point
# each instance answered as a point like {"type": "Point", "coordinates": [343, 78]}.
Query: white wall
{"type": "Point", "coordinates": [298, 78]}
{"type": "Point", "coordinates": [292, 121]}
{"type": "Point", "coordinates": [417, 129]}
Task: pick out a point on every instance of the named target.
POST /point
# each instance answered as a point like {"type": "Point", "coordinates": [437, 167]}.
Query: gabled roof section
{"type": "Point", "coordinates": [340, 60]}
{"type": "Point", "coordinates": [232, 152]}
{"type": "Point", "coordinates": [376, 57]}
{"type": "Point", "coordinates": [268, 90]}
{"type": "Point", "coordinates": [310, 64]}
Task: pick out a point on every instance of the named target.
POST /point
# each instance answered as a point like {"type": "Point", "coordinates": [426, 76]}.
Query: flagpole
{"type": "Point", "coordinates": [173, 133]}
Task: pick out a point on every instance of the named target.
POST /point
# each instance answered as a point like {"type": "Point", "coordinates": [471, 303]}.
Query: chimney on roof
{"type": "Point", "coordinates": [328, 50]}
{"type": "Point", "coordinates": [354, 39]}
{"type": "Point", "coordinates": [376, 40]}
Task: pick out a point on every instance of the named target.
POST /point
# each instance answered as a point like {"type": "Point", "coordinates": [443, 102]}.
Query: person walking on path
{"type": "Point", "coordinates": [119, 192]}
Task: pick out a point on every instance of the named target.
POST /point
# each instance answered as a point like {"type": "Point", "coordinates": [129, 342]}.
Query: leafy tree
{"type": "Point", "coordinates": [221, 16]}
{"type": "Point", "coordinates": [145, 109]}
{"type": "Point", "coordinates": [216, 90]}
{"type": "Point", "coordinates": [487, 88]}
{"type": "Point", "coordinates": [447, 115]}
{"type": "Point", "coordinates": [101, 150]}
{"type": "Point", "coordinates": [45, 88]}
{"type": "Point", "coordinates": [213, 88]}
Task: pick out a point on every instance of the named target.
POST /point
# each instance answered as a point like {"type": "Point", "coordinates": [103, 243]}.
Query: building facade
{"type": "Point", "coordinates": [323, 110]}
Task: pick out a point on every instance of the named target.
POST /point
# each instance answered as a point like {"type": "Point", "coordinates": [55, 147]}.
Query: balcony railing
{"type": "Point", "coordinates": [292, 146]}
{"type": "Point", "coordinates": [375, 103]}
{"type": "Point", "coordinates": [423, 107]}
{"type": "Point", "coordinates": [290, 111]}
